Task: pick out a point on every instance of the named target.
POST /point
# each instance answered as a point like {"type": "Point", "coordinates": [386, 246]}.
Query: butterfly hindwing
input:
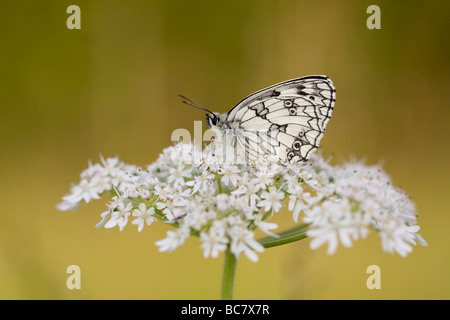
{"type": "Point", "coordinates": [287, 119]}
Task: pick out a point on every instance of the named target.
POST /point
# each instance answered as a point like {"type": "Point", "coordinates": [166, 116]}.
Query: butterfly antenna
{"type": "Point", "coordinates": [193, 104]}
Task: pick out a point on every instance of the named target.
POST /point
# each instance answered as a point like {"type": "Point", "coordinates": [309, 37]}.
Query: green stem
{"type": "Point", "coordinates": [229, 268]}
{"type": "Point", "coordinates": [287, 236]}
{"type": "Point", "coordinates": [219, 183]}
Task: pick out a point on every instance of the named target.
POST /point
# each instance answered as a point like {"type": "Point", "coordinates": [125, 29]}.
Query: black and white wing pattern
{"type": "Point", "coordinates": [287, 119]}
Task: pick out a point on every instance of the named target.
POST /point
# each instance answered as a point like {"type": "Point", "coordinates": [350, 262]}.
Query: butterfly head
{"type": "Point", "coordinates": [212, 119]}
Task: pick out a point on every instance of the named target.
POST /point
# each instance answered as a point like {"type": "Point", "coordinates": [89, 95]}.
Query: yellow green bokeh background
{"type": "Point", "coordinates": [111, 88]}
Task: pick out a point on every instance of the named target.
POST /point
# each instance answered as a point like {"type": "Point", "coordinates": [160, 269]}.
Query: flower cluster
{"type": "Point", "coordinates": [356, 198]}
{"type": "Point", "coordinates": [223, 202]}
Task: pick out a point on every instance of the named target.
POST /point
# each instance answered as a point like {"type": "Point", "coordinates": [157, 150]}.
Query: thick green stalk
{"type": "Point", "coordinates": [229, 268]}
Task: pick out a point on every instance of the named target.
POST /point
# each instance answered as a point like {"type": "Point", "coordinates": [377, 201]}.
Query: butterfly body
{"type": "Point", "coordinates": [287, 119]}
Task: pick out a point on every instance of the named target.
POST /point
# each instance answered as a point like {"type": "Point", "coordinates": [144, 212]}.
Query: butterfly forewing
{"type": "Point", "coordinates": [287, 119]}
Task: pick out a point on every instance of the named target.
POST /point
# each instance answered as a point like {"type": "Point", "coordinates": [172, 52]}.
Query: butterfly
{"type": "Point", "coordinates": [287, 119]}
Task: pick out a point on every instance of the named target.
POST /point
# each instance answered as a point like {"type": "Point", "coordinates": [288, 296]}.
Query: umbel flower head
{"type": "Point", "coordinates": [223, 202]}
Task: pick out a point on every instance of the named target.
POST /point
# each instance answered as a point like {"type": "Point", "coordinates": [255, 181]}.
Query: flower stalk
{"type": "Point", "coordinates": [229, 269]}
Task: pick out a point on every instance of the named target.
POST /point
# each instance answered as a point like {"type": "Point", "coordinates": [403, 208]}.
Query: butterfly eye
{"type": "Point", "coordinates": [212, 120]}
{"type": "Point", "coordinates": [293, 111]}
{"type": "Point", "coordinates": [296, 145]}
{"type": "Point", "coordinates": [287, 103]}
{"type": "Point", "coordinates": [301, 133]}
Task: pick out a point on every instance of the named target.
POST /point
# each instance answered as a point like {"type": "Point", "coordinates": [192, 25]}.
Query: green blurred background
{"type": "Point", "coordinates": [68, 95]}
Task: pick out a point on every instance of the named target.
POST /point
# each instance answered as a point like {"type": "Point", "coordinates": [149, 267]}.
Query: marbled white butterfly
{"type": "Point", "coordinates": [287, 119]}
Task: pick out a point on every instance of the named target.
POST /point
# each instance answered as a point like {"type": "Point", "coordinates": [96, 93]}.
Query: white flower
{"type": "Point", "coordinates": [333, 221]}
{"type": "Point", "coordinates": [263, 179]}
{"type": "Point", "coordinates": [105, 215]}
{"type": "Point", "coordinates": [168, 209]}
{"type": "Point", "coordinates": [164, 193]}
{"type": "Point", "coordinates": [143, 215]}
{"type": "Point", "coordinates": [261, 224]}
{"type": "Point", "coordinates": [86, 190]}
{"type": "Point", "coordinates": [201, 182]}
{"type": "Point", "coordinates": [122, 180]}
{"type": "Point", "coordinates": [272, 199]}
{"type": "Point", "coordinates": [144, 179]}
{"type": "Point", "coordinates": [296, 200]}
{"type": "Point", "coordinates": [110, 165]}
{"type": "Point", "coordinates": [326, 234]}
{"type": "Point", "coordinates": [224, 202]}
{"type": "Point", "coordinates": [116, 200]}
{"type": "Point", "coordinates": [177, 175]}
{"type": "Point", "coordinates": [174, 239]}
{"type": "Point", "coordinates": [67, 205]}
{"type": "Point", "coordinates": [144, 193]}
{"type": "Point", "coordinates": [215, 241]}
{"type": "Point", "coordinates": [92, 170]}
{"type": "Point", "coordinates": [197, 218]}
{"type": "Point", "coordinates": [398, 238]}
{"type": "Point", "coordinates": [133, 192]}
{"type": "Point", "coordinates": [249, 192]}
{"type": "Point", "coordinates": [172, 207]}
{"type": "Point", "coordinates": [243, 241]}
{"type": "Point", "coordinates": [120, 216]}
{"type": "Point", "coordinates": [230, 174]}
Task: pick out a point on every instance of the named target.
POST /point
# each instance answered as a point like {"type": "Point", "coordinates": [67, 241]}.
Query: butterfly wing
{"type": "Point", "coordinates": [287, 119]}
